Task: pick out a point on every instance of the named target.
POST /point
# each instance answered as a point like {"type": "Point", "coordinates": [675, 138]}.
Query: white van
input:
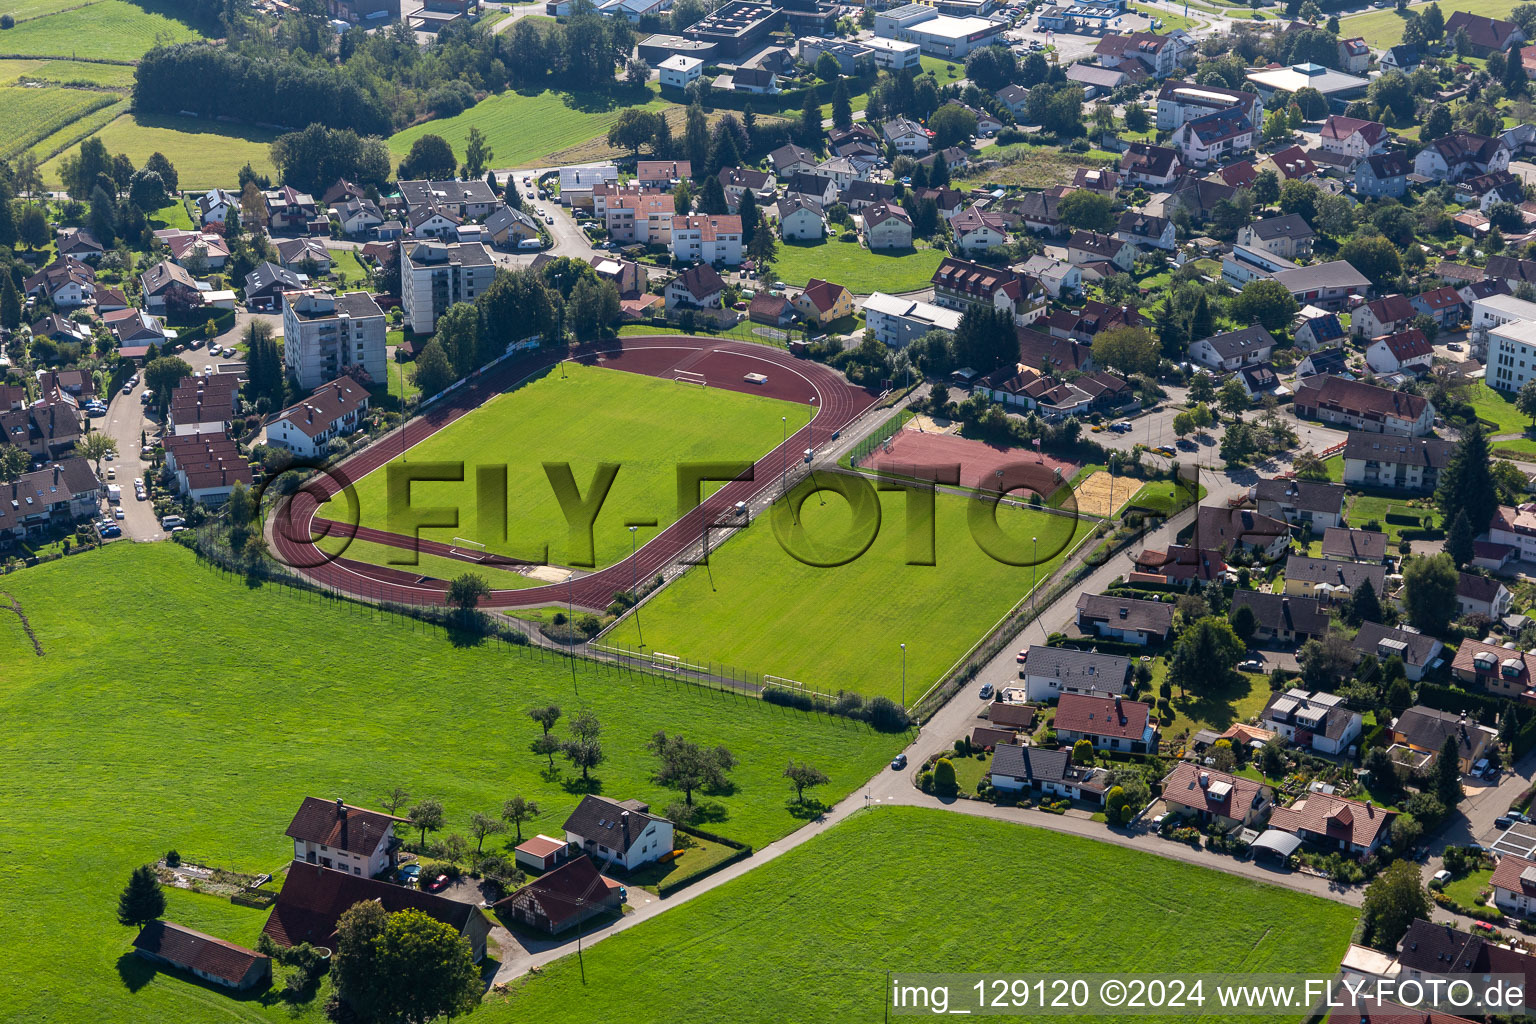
{"type": "Point", "coordinates": [531, 243]}
{"type": "Point", "coordinates": [171, 522]}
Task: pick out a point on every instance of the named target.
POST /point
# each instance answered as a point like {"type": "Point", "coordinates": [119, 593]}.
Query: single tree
{"type": "Point", "coordinates": [1363, 605]}
{"type": "Point", "coordinates": [1448, 772]}
{"type": "Point", "coordinates": [354, 969]}
{"type": "Point", "coordinates": [803, 776]}
{"type": "Point", "coordinates": [477, 154]}
{"type": "Point", "coordinates": [482, 825]}
{"type": "Point", "coordinates": [687, 766]}
{"type": "Point", "coordinates": [1395, 899]}
{"type": "Point", "coordinates": [1429, 585]}
{"type": "Point", "coordinates": [518, 810]}
{"type": "Point", "coordinates": [95, 446]}
{"type": "Point", "coordinates": [585, 726]}
{"type": "Point", "coordinates": [10, 304]}
{"type": "Point", "coordinates": [1082, 752]}
{"type": "Point", "coordinates": [1244, 623]}
{"type": "Point", "coordinates": [546, 716]}
{"type": "Point", "coordinates": [1525, 401]}
{"type": "Point", "coordinates": [1466, 483]}
{"type": "Point", "coordinates": [1206, 652]}
{"type": "Point", "coordinates": [465, 592]}
{"type": "Point", "coordinates": [584, 754]}
{"type": "Point", "coordinates": [1459, 539]}
{"type": "Point", "coordinates": [395, 799]}
{"type": "Point", "coordinates": [426, 815]}
{"type": "Point", "coordinates": [424, 969]}
{"type": "Point", "coordinates": [546, 746]}
{"type": "Point", "coordinates": [141, 900]}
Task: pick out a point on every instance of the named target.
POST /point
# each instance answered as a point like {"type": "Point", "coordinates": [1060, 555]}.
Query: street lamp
{"type": "Point", "coordinates": [903, 676]}
{"type": "Point", "coordinates": [783, 454]}
{"type": "Point", "coordinates": [634, 582]}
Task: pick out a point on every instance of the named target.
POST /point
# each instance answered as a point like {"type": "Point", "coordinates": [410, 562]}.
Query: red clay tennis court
{"type": "Point", "coordinates": [916, 454]}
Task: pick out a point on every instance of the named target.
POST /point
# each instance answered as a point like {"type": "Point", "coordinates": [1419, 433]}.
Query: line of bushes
{"type": "Point", "coordinates": [882, 713]}
{"type": "Point", "coordinates": [740, 850]}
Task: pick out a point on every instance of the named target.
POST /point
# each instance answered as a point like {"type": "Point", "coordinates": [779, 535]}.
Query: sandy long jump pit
{"type": "Point", "coordinates": [916, 454]}
{"type": "Point", "coordinates": [1101, 494]}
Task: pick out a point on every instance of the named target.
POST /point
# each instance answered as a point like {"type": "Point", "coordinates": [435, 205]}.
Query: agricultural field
{"type": "Point", "coordinates": [66, 72]}
{"type": "Point", "coordinates": [589, 415]}
{"type": "Point", "coordinates": [105, 30]}
{"type": "Point", "coordinates": [204, 154]}
{"type": "Point", "coordinates": [812, 933]}
{"type": "Point", "coordinates": [23, 10]}
{"type": "Point", "coordinates": [78, 131]}
{"type": "Point", "coordinates": [523, 129]}
{"type": "Point", "coordinates": [855, 267]}
{"type": "Point", "coordinates": [762, 610]}
{"type": "Point", "coordinates": [250, 698]}
{"type": "Point", "coordinates": [1382, 29]}
{"type": "Point", "coordinates": [30, 115]}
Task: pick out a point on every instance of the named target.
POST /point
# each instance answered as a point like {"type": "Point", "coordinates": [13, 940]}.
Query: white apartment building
{"type": "Point", "coordinates": [897, 322]}
{"type": "Point", "coordinates": [707, 239]}
{"type": "Point", "coordinates": [1511, 355]}
{"type": "Point", "coordinates": [324, 333]}
{"type": "Point", "coordinates": [435, 275]}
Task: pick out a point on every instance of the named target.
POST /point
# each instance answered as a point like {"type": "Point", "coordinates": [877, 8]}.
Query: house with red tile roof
{"type": "Point", "coordinates": [222, 963]}
{"type": "Point", "coordinates": [1213, 797]}
{"type": "Point", "coordinates": [338, 836]}
{"type": "Point", "coordinates": [1405, 351]}
{"type": "Point", "coordinates": [1109, 723]}
{"type": "Point", "coordinates": [823, 302]}
{"type": "Point", "coordinates": [1335, 823]}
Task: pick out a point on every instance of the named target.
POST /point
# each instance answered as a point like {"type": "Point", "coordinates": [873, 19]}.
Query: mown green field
{"type": "Point", "coordinates": [1382, 29]}
{"type": "Point", "coordinates": [762, 609]}
{"type": "Point", "coordinates": [21, 10]}
{"type": "Point", "coordinates": [176, 707]}
{"type": "Point", "coordinates": [106, 30]}
{"type": "Point", "coordinates": [204, 154]}
{"type": "Point", "coordinates": [66, 72]}
{"type": "Point", "coordinates": [1497, 408]}
{"type": "Point", "coordinates": [30, 115]}
{"type": "Point", "coordinates": [590, 415]}
{"type": "Point", "coordinates": [810, 936]}
{"type": "Point", "coordinates": [520, 128]}
{"type": "Point", "coordinates": [437, 566]}
{"type": "Point", "coordinates": [855, 267]}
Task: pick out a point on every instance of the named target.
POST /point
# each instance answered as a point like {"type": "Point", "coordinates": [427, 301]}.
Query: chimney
{"type": "Point", "coordinates": [1205, 780]}
{"type": "Point", "coordinates": [341, 808]}
{"type": "Point", "coordinates": [624, 820]}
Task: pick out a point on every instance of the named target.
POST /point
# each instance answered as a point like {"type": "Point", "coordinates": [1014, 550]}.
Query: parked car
{"type": "Point", "coordinates": [119, 513]}
{"type": "Point", "coordinates": [1251, 665]}
{"type": "Point", "coordinates": [1503, 822]}
{"type": "Point", "coordinates": [440, 882]}
{"type": "Point", "coordinates": [128, 388]}
{"type": "Point", "coordinates": [986, 691]}
{"type": "Point", "coordinates": [899, 762]}
{"type": "Point", "coordinates": [1023, 656]}
{"type": "Point", "coordinates": [1441, 876]}
{"type": "Point", "coordinates": [1122, 427]}
{"type": "Point", "coordinates": [1166, 449]}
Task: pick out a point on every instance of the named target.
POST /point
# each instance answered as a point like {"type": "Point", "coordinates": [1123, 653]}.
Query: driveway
{"type": "Point", "coordinates": [125, 422]}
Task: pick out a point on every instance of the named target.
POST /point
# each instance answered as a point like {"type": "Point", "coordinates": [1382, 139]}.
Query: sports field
{"type": "Point", "coordinates": [810, 936]}
{"type": "Point", "coordinates": [200, 720]}
{"type": "Point", "coordinates": [1382, 29]}
{"type": "Point", "coordinates": [29, 115]}
{"type": "Point", "coordinates": [428, 564]}
{"type": "Point", "coordinates": [764, 611]}
{"type": "Point", "coordinates": [521, 129]}
{"type": "Point", "coordinates": [588, 416]}
{"type": "Point", "coordinates": [204, 154]}
{"type": "Point", "coordinates": [106, 30]}
{"type": "Point", "coordinates": [855, 267]}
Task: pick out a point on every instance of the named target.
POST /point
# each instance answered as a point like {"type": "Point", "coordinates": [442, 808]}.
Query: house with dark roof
{"type": "Point", "coordinates": [1241, 529]}
{"type": "Point", "coordinates": [313, 899]}
{"type": "Point", "coordinates": [1404, 463]}
{"type": "Point", "coordinates": [1425, 730]}
{"type": "Point", "coordinates": [1282, 619]}
{"type": "Point", "coordinates": [1109, 723]}
{"type": "Point", "coordinates": [1124, 618]}
{"type": "Point", "coordinates": [1016, 768]}
{"type": "Point", "coordinates": [264, 286]}
{"type": "Point", "coordinates": [770, 309]}
{"type": "Point", "coordinates": [1314, 502]}
{"type": "Point", "coordinates": [344, 838]}
{"type": "Point", "coordinates": [1053, 355]}
{"type": "Point", "coordinates": [1233, 349]}
{"type": "Point", "coordinates": [1383, 174]}
{"type": "Point", "coordinates": [801, 217]}
{"type": "Point", "coordinates": [618, 832]}
{"type": "Point", "coordinates": [1485, 34]}
{"type": "Point", "coordinates": [1418, 651]}
{"type": "Point", "coordinates": [1315, 329]}
{"type": "Point", "coordinates": [214, 960]}
{"type": "Point", "coordinates": [53, 497]}
{"type": "Point", "coordinates": [1482, 595]}
{"type": "Point", "coordinates": [1089, 247]}
{"type": "Point", "coordinates": [1144, 164]}
{"type": "Point", "coordinates": [1443, 305]}
{"type": "Point", "coordinates": [1368, 546]}
{"type": "Point", "coordinates": [1319, 721]}
{"type": "Point", "coordinates": [1431, 950]}
{"type": "Point", "coordinates": [1145, 230]}
{"type": "Point", "coordinates": [168, 285]}
{"type": "Point", "coordinates": [1288, 236]}
{"type": "Point", "coordinates": [1461, 155]}
{"type": "Point", "coordinates": [1364, 407]}
{"type": "Point", "coordinates": [45, 430]}
{"type": "Point", "coordinates": [1018, 717]}
{"type": "Point", "coordinates": [1048, 672]}
{"type": "Point", "coordinates": [1179, 564]}
{"type": "Point", "coordinates": [1327, 579]}
{"type": "Point", "coordinates": [698, 287]}
{"type": "Point", "coordinates": [1216, 798]}
{"type": "Point", "coordinates": [1210, 138]}
{"type": "Point", "coordinates": [1334, 823]}
{"type": "Point", "coordinates": [563, 898]}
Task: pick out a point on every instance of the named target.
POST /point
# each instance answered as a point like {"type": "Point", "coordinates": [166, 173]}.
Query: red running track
{"type": "Point", "coordinates": [723, 364]}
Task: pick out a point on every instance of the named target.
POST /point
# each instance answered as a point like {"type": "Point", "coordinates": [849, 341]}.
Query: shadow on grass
{"type": "Point", "coordinates": [809, 809]}
{"type": "Point", "coordinates": [582, 787]}
{"type": "Point", "coordinates": [1218, 707]}
{"type": "Point", "coordinates": [205, 126]}
{"type": "Point", "coordinates": [137, 972]}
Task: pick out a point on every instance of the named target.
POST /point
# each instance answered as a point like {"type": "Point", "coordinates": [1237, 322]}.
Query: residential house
{"type": "Point", "coordinates": [776, 311]}
{"type": "Point", "coordinates": [1485, 34]}
{"type": "Point", "coordinates": [1040, 213]}
{"type": "Point", "coordinates": [205, 467]}
{"type": "Point", "coordinates": [1334, 823]}
{"type": "Point", "coordinates": [790, 159]}
{"type": "Point", "coordinates": [577, 183]}
{"type": "Point", "coordinates": [1317, 721]}
{"type": "Point", "coordinates": [1385, 315]}
{"type": "Point", "coordinates": [1324, 361]}
{"type": "Point", "coordinates": [1515, 528]}
{"type": "Point", "coordinates": [1086, 248]}
{"type": "Point", "coordinates": [1403, 57]}
{"type": "Point", "coordinates": [898, 322]}
{"type": "Point", "coordinates": [622, 833]}
{"type": "Point", "coordinates": [1142, 163]}
{"type": "Point", "coordinates": [1053, 356]}
{"type": "Point", "coordinates": [707, 239]}
{"type": "Point", "coordinates": [886, 226]}
{"type": "Point", "coordinates": [134, 330]}
{"type": "Point", "coordinates": [563, 898]}
{"type": "Point", "coordinates": [1057, 278]}
{"type": "Point", "coordinates": [1146, 230]}
{"type": "Point", "coordinates": [1279, 618]}
{"type": "Point", "coordinates": [213, 960]}
{"type": "Point", "coordinates": [203, 405]}
{"type": "Point", "coordinates": [344, 838]}
{"type": "Point", "coordinates": [56, 328]}
{"type": "Point", "coordinates": [197, 251]}
{"type": "Point", "coordinates": [643, 218]}
{"type": "Point", "coordinates": [1126, 619]}
{"type": "Point", "coordinates": [860, 194]}
{"type": "Point", "coordinates": [1443, 305]}
{"type": "Point", "coordinates": [1048, 672]}
{"type": "Point", "coordinates": [1353, 136]}
{"type": "Point", "coordinates": [626, 276]}
{"type": "Point", "coordinates": [1212, 138]}
{"type": "Point", "coordinates": [1354, 545]}
{"type": "Point", "coordinates": [1179, 564]}
{"type": "Point", "coordinates": [167, 286]}
{"type": "Point", "coordinates": [1216, 798]}
{"type": "Point", "coordinates": [1511, 355]}
{"type": "Point", "coordinates": [509, 228]}
{"type": "Point", "coordinates": [680, 71]}
{"type": "Point", "coordinates": [751, 80]}
{"type": "Point", "coordinates": [1241, 529]}
{"type": "Point", "coordinates": [1288, 236]}
{"type": "Point", "coordinates": [1383, 174]}
{"type": "Point", "coordinates": [1460, 155]}
{"type": "Point", "coordinates": [1484, 190]}
{"type": "Point", "coordinates": [463, 200]}
{"type": "Point", "coordinates": [1425, 731]}
{"type": "Point", "coordinates": [1403, 352]}
{"type": "Point", "coordinates": [1316, 328]}
{"type": "Point", "coordinates": [1156, 55]}
{"type": "Point", "coordinates": [264, 286]}
{"type": "Point", "coordinates": [663, 174]}
{"type": "Point", "coordinates": [1327, 579]}
{"type": "Point", "coordinates": [55, 497]}
{"type": "Point", "coordinates": [1109, 723]}
{"type": "Point", "coordinates": [358, 218]}
{"type": "Point", "coordinates": [1258, 380]}
{"type": "Point", "coordinates": [1418, 651]}
{"type": "Point", "coordinates": [1502, 670]}
{"type": "Point", "coordinates": [698, 287]}
{"type": "Point", "coordinates": [962, 284]}
{"type": "Point", "coordinates": [1313, 502]}
{"type": "Point", "coordinates": [1051, 772]}
{"type": "Point", "coordinates": [1181, 102]}
{"type": "Point", "coordinates": [1375, 460]}
{"type": "Point", "coordinates": [977, 230]}
{"type": "Point", "coordinates": [907, 136]}
{"type": "Point", "coordinates": [301, 254]}
{"type": "Point", "coordinates": [288, 209]}
{"type": "Point", "coordinates": [323, 334]}
{"type": "Point", "coordinates": [801, 217]}
{"type": "Point", "coordinates": [215, 206]}
{"type": "Point", "coordinates": [1482, 595]}
{"type": "Point", "coordinates": [334, 410]}
{"type": "Point", "coordinates": [738, 181]}
{"type": "Point", "coordinates": [1436, 951]}
{"type": "Point", "coordinates": [1233, 349]}
{"type": "Point", "coordinates": [1361, 406]}
{"type": "Point", "coordinates": [822, 302]}
{"type": "Point", "coordinates": [313, 899]}
{"type": "Point", "coordinates": [67, 282]}
{"type": "Point", "coordinates": [1354, 56]}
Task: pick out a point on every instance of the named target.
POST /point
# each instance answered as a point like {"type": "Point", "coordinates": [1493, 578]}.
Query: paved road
{"type": "Point", "coordinates": [125, 422]}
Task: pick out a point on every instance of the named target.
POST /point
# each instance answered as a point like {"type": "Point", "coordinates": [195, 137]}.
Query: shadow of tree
{"type": "Point", "coordinates": [135, 971]}
{"type": "Point", "coordinates": [709, 812]}
{"type": "Point", "coordinates": [809, 809]}
{"type": "Point", "coordinates": [580, 787]}
{"type": "Point", "coordinates": [1217, 707]}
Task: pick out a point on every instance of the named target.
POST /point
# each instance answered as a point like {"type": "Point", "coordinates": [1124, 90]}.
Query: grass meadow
{"type": "Point", "coordinates": [66, 72]}
{"type": "Point", "coordinates": [1382, 29]}
{"type": "Point", "coordinates": [105, 30]}
{"type": "Point", "coordinates": [520, 128]}
{"type": "Point", "coordinates": [588, 416]}
{"type": "Point", "coordinates": [762, 610]}
{"type": "Point", "coordinates": [855, 267]}
{"type": "Point", "coordinates": [204, 154]}
{"type": "Point", "coordinates": [177, 707]}
{"type": "Point", "coordinates": [810, 935]}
